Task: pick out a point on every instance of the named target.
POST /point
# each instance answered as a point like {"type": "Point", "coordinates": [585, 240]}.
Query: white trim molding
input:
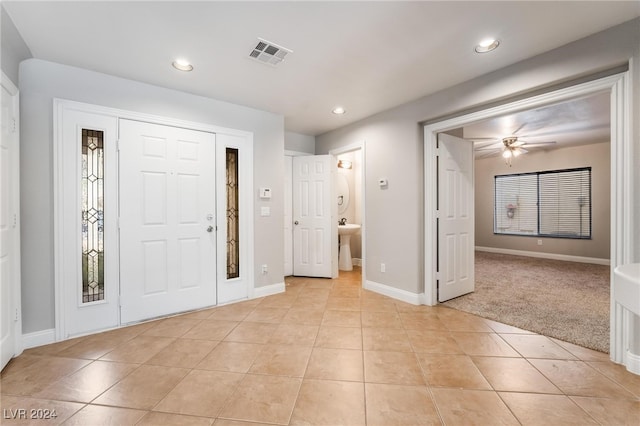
{"type": "Point", "coordinates": [39, 338]}
{"type": "Point", "coordinates": [395, 293]}
{"type": "Point", "coordinates": [268, 290]}
{"type": "Point", "coordinates": [632, 362]}
{"type": "Point", "coordinates": [542, 255]}
{"type": "Point", "coordinates": [622, 190]}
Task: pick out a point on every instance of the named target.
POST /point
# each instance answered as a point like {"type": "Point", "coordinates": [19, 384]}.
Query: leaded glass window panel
{"type": "Point", "coordinates": [233, 229]}
{"type": "Point", "coordinates": [92, 215]}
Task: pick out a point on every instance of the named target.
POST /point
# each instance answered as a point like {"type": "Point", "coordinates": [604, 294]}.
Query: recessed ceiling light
{"type": "Point", "coordinates": [487, 45]}
{"type": "Point", "coordinates": [182, 65]}
{"type": "Point", "coordinates": [338, 110]}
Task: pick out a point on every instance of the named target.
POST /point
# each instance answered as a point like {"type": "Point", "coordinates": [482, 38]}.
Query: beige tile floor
{"type": "Point", "coordinates": [324, 352]}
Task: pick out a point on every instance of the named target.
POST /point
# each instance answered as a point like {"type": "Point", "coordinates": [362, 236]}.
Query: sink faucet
{"type": "Point", "coordinates": [342, 221]}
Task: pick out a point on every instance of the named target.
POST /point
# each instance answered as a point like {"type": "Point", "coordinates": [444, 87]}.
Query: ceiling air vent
{"type": "Point", "coordinates": [268, 53]}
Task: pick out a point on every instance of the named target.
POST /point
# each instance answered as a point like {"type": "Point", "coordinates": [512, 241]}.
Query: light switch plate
{"type": "Point", "coordinates": [265, 193]}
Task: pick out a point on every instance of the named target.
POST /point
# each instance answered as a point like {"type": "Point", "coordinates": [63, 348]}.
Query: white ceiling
{"type": "Point", "coordinates": [365, 56]}
{"type": "Point", "coordinates": [579, 121]}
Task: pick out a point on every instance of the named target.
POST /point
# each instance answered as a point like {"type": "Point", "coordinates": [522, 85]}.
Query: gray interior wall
{"type": "Point", "coordinates": [41, 82]}
{"type": "Point", "coordinates": [596, 156]}
{"type": "Point", "coordinates": [394, 143]}
{"type": "Point", "coordinates": [299, 142]}
{"type": "Point", "coordinates": [12, 47]}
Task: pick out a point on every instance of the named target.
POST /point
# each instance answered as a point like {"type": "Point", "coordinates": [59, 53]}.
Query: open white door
{"type": "Point", "coordinates": [455, 218]}
{"type": "Point", "coordinates": [315, 226]}
{"type": "Point", "coordinates": [167, 220]}
{"type": "Point", "coordinates": [288, 214]}
{"type": "Point", "coordinates": [9, 232]}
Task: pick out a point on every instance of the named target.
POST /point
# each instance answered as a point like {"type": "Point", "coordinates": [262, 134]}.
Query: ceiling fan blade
{"type": "Point", "coordinates": [523, 151]}
{"type": "Point", "coordinates": [519, 128]}
{"type": "Point", "coordinates": [540, 143]}
{"type": "Point", "coordinates": [484, 142]}
{"type": "Point", "coordinates": [486, 154]}
{"type": "Point", "coordinates": [518, 143]}
{"type": "Point", "coordinates": [490, 147]}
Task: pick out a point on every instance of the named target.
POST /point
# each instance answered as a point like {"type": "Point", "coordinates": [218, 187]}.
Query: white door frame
{"type": "Point", "coordinates": [363, 191]}
{"type": "Point", "coordinates": [14, 211]}
{"type": "Point", "coordinates": [619, 87]}
{"type": "Point", "coordinates": [64, 261]}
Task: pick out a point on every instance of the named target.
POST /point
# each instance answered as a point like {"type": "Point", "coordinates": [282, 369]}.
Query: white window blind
{"type": "Point", "coordinates": [552, 203]}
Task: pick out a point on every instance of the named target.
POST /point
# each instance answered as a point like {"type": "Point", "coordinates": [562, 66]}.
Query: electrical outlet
{"type": "Point", "coordinates": [383, 267]}
{"type": "Point", "coordinates": [539, 242]}
{"type": "Point", "coordinates": [265, 269]}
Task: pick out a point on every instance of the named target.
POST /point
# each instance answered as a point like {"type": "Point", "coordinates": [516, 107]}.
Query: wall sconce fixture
{"type": "Point", "coordinates": [343, 164]}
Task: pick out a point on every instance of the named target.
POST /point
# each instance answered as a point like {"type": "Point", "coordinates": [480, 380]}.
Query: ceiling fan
{"type": "Point", "coordinates": [510, 146]}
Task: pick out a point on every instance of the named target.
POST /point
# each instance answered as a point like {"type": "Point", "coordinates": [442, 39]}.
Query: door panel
{"type": "Point", "coordinates": [314, 217]}
{"type": "Point", "coordinates": [456, 217]}
{"type": "Point", "coordinates": [167, 203]}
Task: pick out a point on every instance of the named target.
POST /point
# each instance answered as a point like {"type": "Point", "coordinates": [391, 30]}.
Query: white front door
{"type": "Point", "coordinates": [167, 220]}
{"type": "Point", "coordinates": [315, 226]}
{"type": "Point", "coordinates": [8, 227]}
{"type": "Point", "coordinates": [455, 218]}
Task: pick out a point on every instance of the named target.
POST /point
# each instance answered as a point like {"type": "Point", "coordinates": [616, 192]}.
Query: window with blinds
{"type": "Point", "coordinates": [553, 203]}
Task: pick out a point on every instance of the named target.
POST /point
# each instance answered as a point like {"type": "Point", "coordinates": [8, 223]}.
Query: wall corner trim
{"type": "Point", "coordinates": [38, 338]}
{"type": "Point", "coordinates": [268, 290]}
{"type": "Point", "coordinates": [554, 256]}
{"type": "Point", "coordinates": [395, 293]}
{"type": "Point", "coordinates": [632, 362]}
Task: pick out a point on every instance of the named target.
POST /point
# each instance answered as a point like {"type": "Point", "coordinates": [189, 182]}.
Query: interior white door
{"type": "Point", "coordinates": [288, 215]}
{"type": "Point", "coordinates": [315, 226]}
{"type": "Point", "coordinates": [456, 217]}
{"type": "Point", "coordinates": [8, 223]}
{"type": "Point", "coordinates": [167, 220]}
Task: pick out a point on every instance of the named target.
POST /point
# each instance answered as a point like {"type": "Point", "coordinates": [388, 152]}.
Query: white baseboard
{"type": "Point", "coordinates": [356, 261]}
{"type": "Point", "coordinates": [555, 256]}
{"type": "Point", "coordinates": [632, 362]}
{"type": "Point", "coordinates": [38, 338]}
{"type": "Point", "coordinates": [268, 290]}
{"type": "Point", "coordinates": [395, 293]}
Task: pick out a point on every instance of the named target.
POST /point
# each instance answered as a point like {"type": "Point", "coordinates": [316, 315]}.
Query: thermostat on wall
{"type": "Point", "coordinates": [265, 193]}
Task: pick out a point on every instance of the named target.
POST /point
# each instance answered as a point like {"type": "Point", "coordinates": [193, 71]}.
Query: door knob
{"type": "Point", "coordinates": [210, 228]}
{"type": "Point", "coordinates": [296, 222]}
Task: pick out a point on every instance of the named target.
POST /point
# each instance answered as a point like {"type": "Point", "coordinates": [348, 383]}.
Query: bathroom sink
{"type": "Point", "coordinates": [348, 229]}
{"type": "Point", "coordinates": [344, 259]}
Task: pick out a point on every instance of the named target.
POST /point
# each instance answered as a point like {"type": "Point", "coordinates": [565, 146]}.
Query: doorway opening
{"type": "Point", "coordinates": [350, 199]}
{"type": "Point", "coordinates": [544, 213]}
{"type": "Point", "coordinates": [616, 86]}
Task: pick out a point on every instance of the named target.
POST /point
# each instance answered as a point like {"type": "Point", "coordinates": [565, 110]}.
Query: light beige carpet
{"type": "Point", "coordinates": [565, 300]}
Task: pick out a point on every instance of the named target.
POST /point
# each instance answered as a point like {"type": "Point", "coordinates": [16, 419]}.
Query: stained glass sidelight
{"type": "Point", "coordinates": [92, 216]}
{"type": "Point", "coordinates": [233, 250]}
